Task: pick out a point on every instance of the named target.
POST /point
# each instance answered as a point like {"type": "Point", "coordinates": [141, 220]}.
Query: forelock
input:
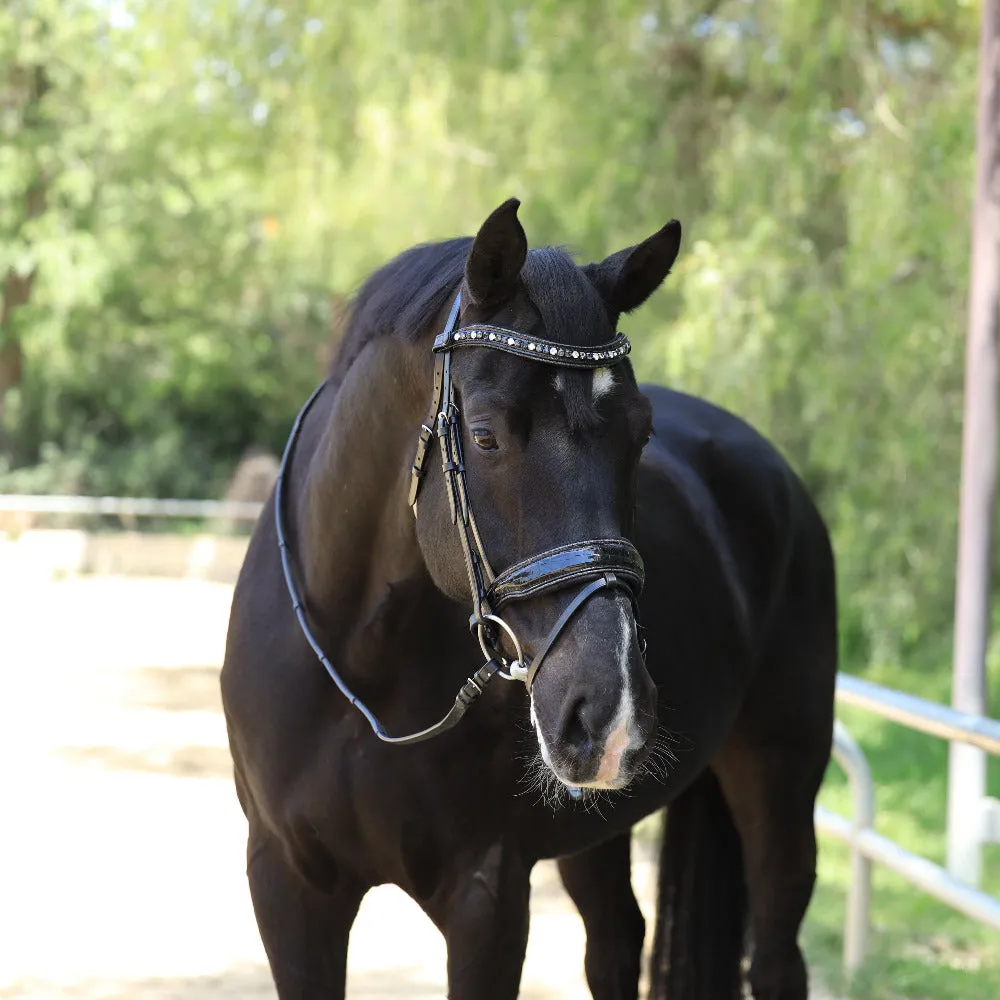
{"type": "Point", "coordinates": [572, 313]}
{"type": "Point", "coordinates": [570, 307]}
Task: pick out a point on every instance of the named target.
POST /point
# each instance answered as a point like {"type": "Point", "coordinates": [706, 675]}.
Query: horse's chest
{"type": "Point", "coordinates": [401, 814]}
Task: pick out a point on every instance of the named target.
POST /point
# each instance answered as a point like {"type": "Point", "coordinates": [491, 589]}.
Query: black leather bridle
{"type": "Point", "coordinates": [593, 564]}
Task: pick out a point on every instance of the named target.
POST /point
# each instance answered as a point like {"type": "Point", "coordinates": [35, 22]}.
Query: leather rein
{"type": "Point", "coordinates": [594, 564]}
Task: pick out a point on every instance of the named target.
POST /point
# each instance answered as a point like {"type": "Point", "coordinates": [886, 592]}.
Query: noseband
{"type": "Point", "coordinates": [593, 564]}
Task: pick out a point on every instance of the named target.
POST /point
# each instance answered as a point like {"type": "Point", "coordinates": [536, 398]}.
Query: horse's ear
{"type": "Point", "coordinates": [496, 257]}
{"type": "Point", "coordinates": [627, 278]}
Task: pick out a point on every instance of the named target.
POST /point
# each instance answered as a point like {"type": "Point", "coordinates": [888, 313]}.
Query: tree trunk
{"type": "Point", "coordinates": [33, 83]}
{"type": "Point", "coordinates": [16, 293]}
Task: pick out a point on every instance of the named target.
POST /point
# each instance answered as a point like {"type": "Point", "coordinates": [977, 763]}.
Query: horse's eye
{"type": "Point", "coordinates": [484, 439]}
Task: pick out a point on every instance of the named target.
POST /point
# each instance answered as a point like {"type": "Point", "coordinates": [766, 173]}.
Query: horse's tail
{"type": "Point", "coordinates": [698, 943]}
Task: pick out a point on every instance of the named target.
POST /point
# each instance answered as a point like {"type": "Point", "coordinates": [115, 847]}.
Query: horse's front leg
{"type": "Point", "coordinates": [304, 929]}
{"type": "Point", "coordinates": [483, 914]}
{"type": "Point", "coordinates": [599, 881]}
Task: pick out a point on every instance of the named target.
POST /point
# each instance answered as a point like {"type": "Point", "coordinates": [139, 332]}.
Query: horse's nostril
{"type": "Point", "coordinates": [575, 732]}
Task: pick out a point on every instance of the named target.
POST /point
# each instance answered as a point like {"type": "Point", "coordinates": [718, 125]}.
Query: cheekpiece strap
{"type": "Point", "coordinates": [534, 348]}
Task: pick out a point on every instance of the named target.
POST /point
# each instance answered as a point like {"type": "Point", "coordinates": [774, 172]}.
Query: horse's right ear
{"type": "Point", "coordinates": [496, 257]}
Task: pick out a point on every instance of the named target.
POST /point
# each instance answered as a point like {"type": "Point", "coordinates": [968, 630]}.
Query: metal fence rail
{"type": "Point", "coordinates": [916, 713]}
{"type": "Point", "coordinates": [237, 510]}
{"type": "Point", "coordinates": [859, 833]}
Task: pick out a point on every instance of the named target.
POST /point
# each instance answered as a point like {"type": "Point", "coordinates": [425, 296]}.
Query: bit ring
{"type": "Point", "coordinates": [516, 671]}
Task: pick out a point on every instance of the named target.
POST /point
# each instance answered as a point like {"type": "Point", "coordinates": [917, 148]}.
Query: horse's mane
{"type": "Point", "coordinates": [404, 296]}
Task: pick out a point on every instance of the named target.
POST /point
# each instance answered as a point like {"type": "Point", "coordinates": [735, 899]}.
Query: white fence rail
{"type": "Point", "coordinates": [917, 713]}
{"type": "Point", "coordinates": [859, 832]}
{"type": "Point", "coordinates": [237, 510]}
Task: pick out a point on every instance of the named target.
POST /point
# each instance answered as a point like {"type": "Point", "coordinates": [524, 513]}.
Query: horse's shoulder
{"type": "Point", "coordinates": [734, 462]}
{"type": "Point", "coordinates": [736, 485]}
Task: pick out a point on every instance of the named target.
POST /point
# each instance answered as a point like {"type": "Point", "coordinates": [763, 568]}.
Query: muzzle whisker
{"type": "Point", "coordinates": [592, 803]}
{"type": "Point", "coordinates": [661, 760]}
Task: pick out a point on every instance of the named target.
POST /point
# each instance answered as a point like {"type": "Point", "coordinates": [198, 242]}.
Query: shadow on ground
{"type": "Point", "coordinates": [246, 982]}
{"type": "Point", "coordinates": [183, 762]}
{"type": "Point", "coordinates": [175, 689]}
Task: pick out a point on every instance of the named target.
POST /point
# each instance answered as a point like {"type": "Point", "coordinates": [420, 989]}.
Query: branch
{"type": "Point", "coordinates": [895, 23]}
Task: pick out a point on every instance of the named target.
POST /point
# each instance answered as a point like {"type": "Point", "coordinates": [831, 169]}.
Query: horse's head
{"type": "Point", "coordinates": [551, 456]}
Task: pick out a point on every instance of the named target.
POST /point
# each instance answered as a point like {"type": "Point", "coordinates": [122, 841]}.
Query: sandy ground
{"type": "Point", "coordinates": [121, 840]}
{"type": "Point", "coordinates": [122, 868]}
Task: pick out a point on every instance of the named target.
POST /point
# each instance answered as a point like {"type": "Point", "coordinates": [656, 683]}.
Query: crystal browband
{"type": "Point", "coordinates": [534, 348]}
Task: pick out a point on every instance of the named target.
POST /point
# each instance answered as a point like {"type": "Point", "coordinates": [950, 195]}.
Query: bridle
{"type": "Point", "coordinates": [593, 564]}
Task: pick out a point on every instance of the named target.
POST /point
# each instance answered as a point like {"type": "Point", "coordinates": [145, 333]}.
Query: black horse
{"type": "Point", "coordinates": [712, 692]}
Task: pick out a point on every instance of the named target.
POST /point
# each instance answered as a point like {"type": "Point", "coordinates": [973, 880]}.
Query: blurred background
{"type": "Point", "coordinates": [190, 192]}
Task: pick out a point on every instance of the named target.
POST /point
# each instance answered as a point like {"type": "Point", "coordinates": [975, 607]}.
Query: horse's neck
{"type": "Point", "coordinates": [356, 537]}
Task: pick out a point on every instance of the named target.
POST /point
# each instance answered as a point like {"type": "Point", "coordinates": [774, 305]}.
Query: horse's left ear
{"type": "Point", "coordinates": [627, 278]}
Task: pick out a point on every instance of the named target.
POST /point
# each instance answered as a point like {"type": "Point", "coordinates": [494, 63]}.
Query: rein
{"type": "Point", "coordinates": [594, 563]}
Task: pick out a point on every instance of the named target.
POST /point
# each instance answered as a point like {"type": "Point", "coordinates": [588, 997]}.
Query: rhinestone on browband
{"type": "Point", "coordinates": [534, 348]}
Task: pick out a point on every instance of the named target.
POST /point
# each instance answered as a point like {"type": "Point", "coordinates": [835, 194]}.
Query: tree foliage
{"type": "Point", "coordinates": [189, 194]}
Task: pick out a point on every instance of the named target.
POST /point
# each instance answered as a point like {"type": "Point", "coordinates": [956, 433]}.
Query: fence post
{"type": "Point", "coordinates": [967, 765]}
{"type": "Point", "coordinates": [851, 758]}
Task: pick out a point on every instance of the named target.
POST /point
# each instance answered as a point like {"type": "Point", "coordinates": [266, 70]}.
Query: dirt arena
{"type": "Point", "coordinates": [122, 873]}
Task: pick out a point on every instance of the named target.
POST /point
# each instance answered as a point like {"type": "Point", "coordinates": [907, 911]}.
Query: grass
{"type": "Point", "coordinates": [919, 949]}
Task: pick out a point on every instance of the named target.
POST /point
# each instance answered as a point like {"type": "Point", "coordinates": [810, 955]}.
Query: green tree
{"type": "Point", "coordinates": [190, 193]}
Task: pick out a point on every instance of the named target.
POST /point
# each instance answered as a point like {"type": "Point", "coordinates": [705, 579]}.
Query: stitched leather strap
{"type": "Point", "coordinates": [605, 580]}
{"type": "Point", "coordinates": [426, 437]}
{"type": "Point", "coordinates": [534, 348]}
{"type": "Point", "coordinates": [568, 565]}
